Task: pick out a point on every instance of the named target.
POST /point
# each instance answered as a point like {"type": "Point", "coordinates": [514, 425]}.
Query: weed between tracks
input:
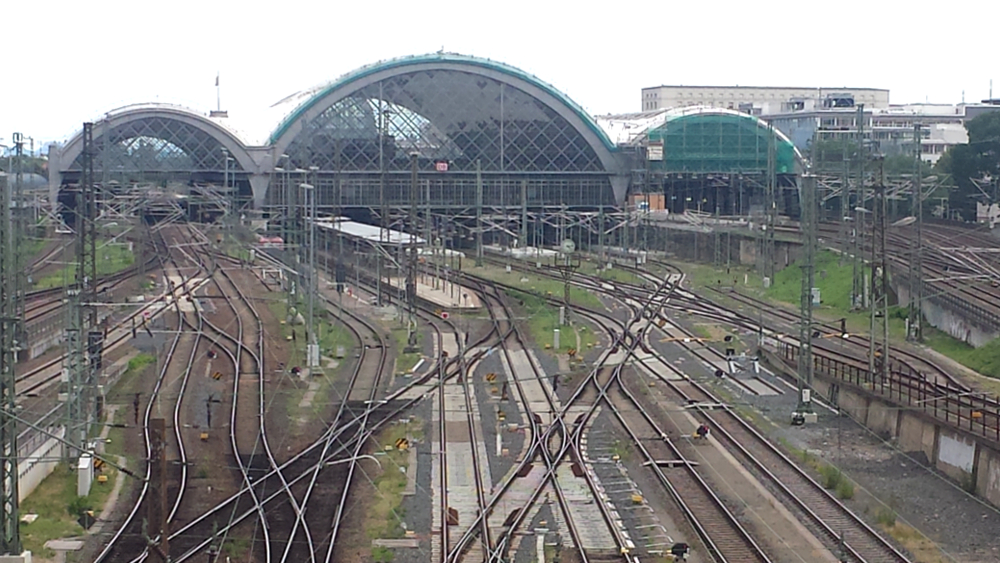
{"type": "Point", "coordinates": [405, 360]}
{"type": "Point", "coordinates": [385, 518]}
{"type": "Point", "coordinates": [111, 259]}
{"type": "Point", "coordinates": [613, 275]}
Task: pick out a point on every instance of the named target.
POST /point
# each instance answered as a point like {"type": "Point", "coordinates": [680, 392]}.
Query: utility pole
{"type": "Point", "coordinates": [600, 236]}
{"type": "Point", "coordinates": [10, 538]}
{"type": "Point", "coordinates": [524, 214]}
{"type": "Point", "coordinates": [479, 213]}
{"type": "Point", "coordinates": [82, 352]}
{"type": "Point", "coordinates": [156, 513]}
{"type": "Point", "coordinates": [18, 227]}
{"type": "Point", "coordinates": [312, 346]}
{"type": "Point", "coordinates": [857, 244]}
{"type": "Point", "coordinates": [878, 342]}
{"type": "Point", "coordinates": [770, 205]}
{"type": "Point", "coordinates": [717, 235]}
{"type": "Point", "coordinates": [411, 264]}
{"type": "Point", "coordinates": [804, 410]}
{"type": "Point", "coordinates": [383, 235]}
{"type": "Point", "coordinates": [914, 329]}
{"type": "Point", "coordinates": [294, 244]}
{"type": "Point", "coordinates": [845, 199]}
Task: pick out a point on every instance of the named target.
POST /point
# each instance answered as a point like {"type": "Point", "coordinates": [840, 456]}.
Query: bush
{"type": "Point", "coordinates": [79, 506]}
{"type": "Point", "coordinates": [831, 476]}
{"type": "Point", "coordinates": [845, 489]}
{"type": "Point", "coordinates": [886, 517]}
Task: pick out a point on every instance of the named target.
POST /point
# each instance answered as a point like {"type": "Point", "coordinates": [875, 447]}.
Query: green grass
{"type": "Point", "coordinates": [542, 320]}
{"type": "Point", "coordinates": [329, 333]}
{"type": "Point", "coordinates": [614, 274]}
{"type": "Point", "coordinates": [32, 248]}
{"type": "Point", "coordinates": [836, 281]}
{"type": "Point", "coordinates": [541, 317]}
{"type": "Point", "coordinates": [405, 360]}
{"type": "Point", "coordinates": [236, 547]}
{"type": "Point", "coordinates": [886, 517]}
{"type": "Point", "coordinates": [985, 359]}
{"type": "Point", "coordinates": [111, 259]}
{"type": "Point", "coordinates": [236, 249]}
{"type": "Point", "coordinates": [139, 362]}
{"type": "Point", "coordinates": [52, 501]}
{"type": "Point", "coordinates": [384, 516]}
{"type": "Point", "coordinates": [537, 284]}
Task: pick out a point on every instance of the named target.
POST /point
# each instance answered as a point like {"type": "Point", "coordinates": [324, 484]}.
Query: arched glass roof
{"type": "Point", "coordinates": [443, 107]}
{"type": "Point", "coordinates": [705, 139]}
{"type": "Point", "coordinates": [307, 99]}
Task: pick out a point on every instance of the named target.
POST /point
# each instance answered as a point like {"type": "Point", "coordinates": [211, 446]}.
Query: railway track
{"type": "Point", "coordinates": [290, 501]}
{"type": "Point", "coordinates": [568, 436]}
{"type": "Point", "coordinates": [906, 381]}
{"type": "Point", "coordinates": [839, 528]}
{"type": "Point", "coordinates": [799, 489]}
{"type": "Point", "coordinates": [131, 536]}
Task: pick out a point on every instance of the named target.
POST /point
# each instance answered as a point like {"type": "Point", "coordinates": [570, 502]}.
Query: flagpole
{"type": "Point", "coordinates": [218, 97]}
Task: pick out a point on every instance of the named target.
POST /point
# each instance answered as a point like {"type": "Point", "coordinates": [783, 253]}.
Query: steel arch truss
{"type": "Point", "coordinates": [158, 144]}
{"type": "Point", "coordinates": [447, 117]}
{"type": "Point", "coordinates": [443, 115]}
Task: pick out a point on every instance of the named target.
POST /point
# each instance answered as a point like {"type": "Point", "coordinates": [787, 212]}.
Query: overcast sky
{"type": "Point", "coordinates": [75, 60]}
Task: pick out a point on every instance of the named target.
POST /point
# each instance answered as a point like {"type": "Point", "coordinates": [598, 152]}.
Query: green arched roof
{"type": "Point", "coordinates": [704, 139]}
{"type": "Point", "coordinates": [452, 58]}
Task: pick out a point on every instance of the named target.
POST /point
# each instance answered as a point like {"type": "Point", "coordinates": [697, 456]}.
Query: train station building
{"type": "Point", "coordinates": [455, 132]}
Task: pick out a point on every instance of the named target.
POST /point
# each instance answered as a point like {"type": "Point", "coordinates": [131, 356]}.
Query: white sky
{"type": "Point", "coordinates": [77, 59]}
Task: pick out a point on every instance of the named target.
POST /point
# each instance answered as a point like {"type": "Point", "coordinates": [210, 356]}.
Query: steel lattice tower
{"type": "Point", "coordinates": [17, 230]}
{"type": "Point", "coordinates": [10, 539]}
{"type": "Point", "coordinates": [83, 350]}
{"type": "Point", "coordinates": [914, 326]}
{"type": "Point", "coordinates": [878, 343]}
{"type": "Point", "coordinates": [770, 206]}
{"type": "Point", "coordinates": [809, 224]}
{"type": "Point", "coordinates": [412, 257]}
{"type": "Point", "coordinates": [857, 242]}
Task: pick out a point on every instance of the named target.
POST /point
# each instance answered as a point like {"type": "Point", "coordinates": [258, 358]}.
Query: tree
{"type": "Point", "coordinates": [30, 165]}
{"type": "Point", "coordinates": [975, 166]}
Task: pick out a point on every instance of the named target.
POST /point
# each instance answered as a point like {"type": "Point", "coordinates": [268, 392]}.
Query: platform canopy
{"type": "Point", "coordinates": [368, 233]}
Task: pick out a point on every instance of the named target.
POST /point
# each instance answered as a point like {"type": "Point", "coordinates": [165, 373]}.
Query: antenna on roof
{"type": "Point", "coordinates": [218, 101]}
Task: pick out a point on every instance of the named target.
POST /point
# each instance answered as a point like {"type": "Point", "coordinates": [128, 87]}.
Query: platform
{"type": "Point", "coordinates": [447, 296]}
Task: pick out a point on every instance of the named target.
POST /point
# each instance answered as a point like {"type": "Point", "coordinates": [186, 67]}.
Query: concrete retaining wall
{"type": "Point", "coordinates": [970, 460]}
{"type": "Point", "coordinates": [700, 247]}
{"type": "Point", "coordinates": [39, 464]}
{"type": "Point", "coordinates": [943, 318]}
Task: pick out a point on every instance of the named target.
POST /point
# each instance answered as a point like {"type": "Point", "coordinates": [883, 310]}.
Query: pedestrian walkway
{"type": "Point", "coordinates": [109, 504]}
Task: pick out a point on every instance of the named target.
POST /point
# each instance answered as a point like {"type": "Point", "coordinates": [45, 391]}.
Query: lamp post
{"type": "Point", "coordinates": [312, 346]}
{"type": "Point", "coordinates": [225, 176]}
